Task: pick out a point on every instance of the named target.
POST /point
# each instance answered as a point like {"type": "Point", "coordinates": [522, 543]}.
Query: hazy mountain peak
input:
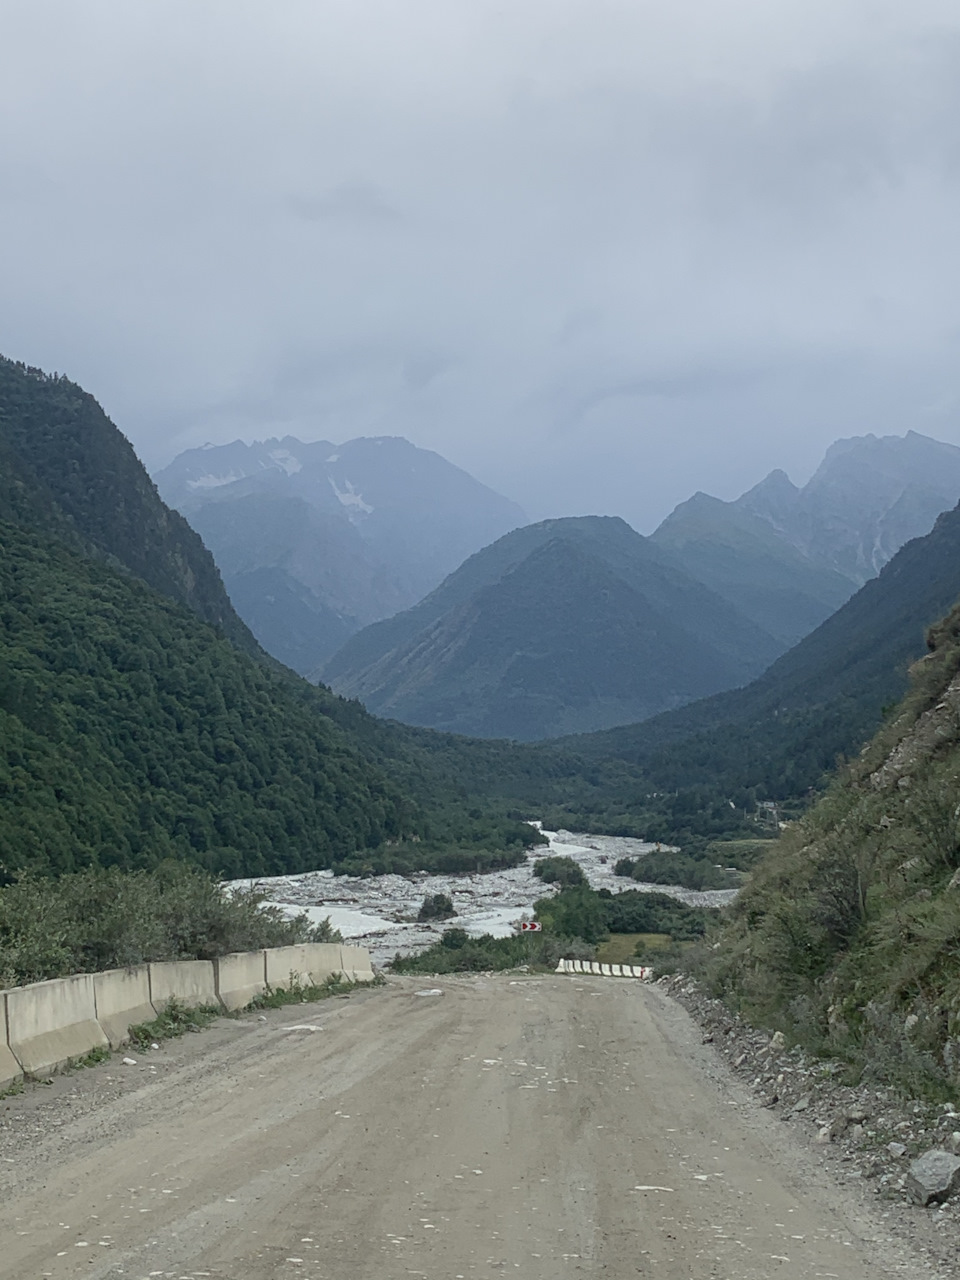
{"type": "Point", "coordinates": [772, 498]}
{"type": "Point", "coordinates": [346, 533]}
{"type": "Point", "coordinates": [564, 625]}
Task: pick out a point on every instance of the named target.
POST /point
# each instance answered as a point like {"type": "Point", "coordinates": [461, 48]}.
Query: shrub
{"type": "Point", "coordinates": [436, 906]}
{"type": "Point", "coordinates": [562, 871]}
{"type": "Point", "coordinates": [457, 952]}
{"type": "Point", "coordinates": [104, 918]}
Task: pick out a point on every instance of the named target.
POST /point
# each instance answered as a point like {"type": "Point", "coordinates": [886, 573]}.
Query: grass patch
{"type": "Point", "coordinates": [100, 1054]}
{"type": "Point", "coordinates": [296, 993]}
{"type": "Point", "coordinates": [176, 1020]}
{"type": "Point", "coordinates": [622, 948]}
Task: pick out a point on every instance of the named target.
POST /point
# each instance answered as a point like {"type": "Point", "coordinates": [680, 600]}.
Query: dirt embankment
{"type": "Point", "coordinates": [543, 1125]}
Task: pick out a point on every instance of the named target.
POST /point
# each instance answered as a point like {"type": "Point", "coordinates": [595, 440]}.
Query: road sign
{"type": "Point", "coordinates": [530, 926]}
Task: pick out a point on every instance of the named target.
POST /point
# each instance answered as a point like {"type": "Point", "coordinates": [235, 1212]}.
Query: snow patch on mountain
{"type": "Point", "coordinates": [350, 498]}
{"type": "Point", "coordinates": [286, 461]}
{"type": "Point", "coordinates": [214, 482]}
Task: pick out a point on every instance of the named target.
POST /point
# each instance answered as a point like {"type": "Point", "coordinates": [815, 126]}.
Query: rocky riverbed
{"type": "Point", "coordinates": [379, 912]}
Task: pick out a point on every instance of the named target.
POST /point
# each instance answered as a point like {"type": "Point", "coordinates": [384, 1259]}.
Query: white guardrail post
{"type": "Point", "coordinates": [643, 972]}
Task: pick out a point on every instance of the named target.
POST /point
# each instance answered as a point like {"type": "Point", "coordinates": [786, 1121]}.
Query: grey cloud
{"type": "Point", "coordinates": [600, 252]}
{"type": "Point", "coordinates": [356, 202]}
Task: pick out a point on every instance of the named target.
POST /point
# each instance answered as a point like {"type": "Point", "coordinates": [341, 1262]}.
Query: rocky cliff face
{"type": "Point", "coordinates": [867, 498]}
{"type": "Point", "coordinates": [788, 557]}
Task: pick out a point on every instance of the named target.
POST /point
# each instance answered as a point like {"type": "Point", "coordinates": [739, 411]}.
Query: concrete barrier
{"type": "Point", "coordinates": [122, 1000]}
{"type": "Point", "coordinates": [45, 1024]}
{"type": "Point", "coordinates": [240, 978]}
{"type": "Point", "coordinates": [307, 965]}
{"type": "Point", "coordinates": [10, 1069]}
{"type": "Point", "coordinates": [356, 964]}
{"type": "Point", "coordinates": [191, 982]}
{"type": "Point", "coordinates": [48, 1023]}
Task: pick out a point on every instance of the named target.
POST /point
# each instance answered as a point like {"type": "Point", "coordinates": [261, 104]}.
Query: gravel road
{"type": "Point", "coordinates": [553, 1127]}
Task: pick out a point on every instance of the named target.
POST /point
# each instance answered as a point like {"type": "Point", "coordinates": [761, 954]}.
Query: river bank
{"type": "Point", "coordinates": [379, 912]}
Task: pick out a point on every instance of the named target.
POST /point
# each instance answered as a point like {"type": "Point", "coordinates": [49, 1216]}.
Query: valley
{"type": "Point", "coordinates": [152, 750]}
{"type": "Point", "coordinates": [379, 912]}
{"type": "Point", "coordinates": [480, 641]}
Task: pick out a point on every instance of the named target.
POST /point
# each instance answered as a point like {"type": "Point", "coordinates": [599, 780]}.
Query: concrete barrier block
{"type": "Point", "coordinates": [307, 965]}
{"type": "Point", "coordinates": [594, 967]}
{"type": "Point", "coordinates": [191, 982]}
{"type": "Point", "coordinates": [240, 978]}
{"type": "Point", "coordinates": [10, 1069]}
{"type": "Point", "coordinates": [355, 964]}
{"type": "Point", "coordinates": [606, 970]}
{"type": "Point", "coordinates": [122, 1000]}
{"type": "Point", "coordinates": [48, 1023]}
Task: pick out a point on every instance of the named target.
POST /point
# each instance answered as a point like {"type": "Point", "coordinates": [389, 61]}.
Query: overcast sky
{"type": "Point", "coordinates": [601, 253]}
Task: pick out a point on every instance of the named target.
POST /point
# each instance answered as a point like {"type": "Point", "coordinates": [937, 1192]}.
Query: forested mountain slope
{"type": "Point", "coordinates": [566, 624]}
{"type": "Point", "coordinates": [134, 727]}
{"type": "Point", "coordinates": [848, 935]}
{"type": "Point", "coordinates": [823, 697]}
{"type": "Point", "coordinates": [132, 732]}
{"type": "Point", "coordinates": [65, 469]}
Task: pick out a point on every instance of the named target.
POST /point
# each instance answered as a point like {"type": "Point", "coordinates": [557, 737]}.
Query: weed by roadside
{"type": "Point", "coordinates": [297, 993]}
{"type": "Point", "coordinates": [175, 1020]}
{"type": "Point", "coordinates": [100, 1054]}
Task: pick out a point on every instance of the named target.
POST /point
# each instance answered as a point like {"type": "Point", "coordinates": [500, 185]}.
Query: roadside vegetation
{"type": "Point", "coordinates": [177, 1019]}
{"type": "Point", "coordinates": [103, 918]}
{"type": "Point", "coordinates": [847, 935]}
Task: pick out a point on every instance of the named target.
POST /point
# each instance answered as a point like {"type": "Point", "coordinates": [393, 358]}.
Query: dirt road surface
{"type": "Point", "coordinates": [544, 1127]}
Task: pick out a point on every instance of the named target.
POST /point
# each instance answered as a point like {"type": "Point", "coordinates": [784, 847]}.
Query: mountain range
{"type": "Point", "coordinates": [315, 541]}
{"type": "Point", "coordinates": [822, 699]}
{"type": "Point", "coordinates": [787, 557]}
{"type": "Point", "coordinates": [561, 626]}
{"type": "Point", "coordinates": [139, 718]}
{"type": "Point", "coordinates": [569, 625]}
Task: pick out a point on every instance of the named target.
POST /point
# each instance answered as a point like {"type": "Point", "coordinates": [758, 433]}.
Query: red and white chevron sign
{"type": "Point", "coordinates": [530, 926]}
